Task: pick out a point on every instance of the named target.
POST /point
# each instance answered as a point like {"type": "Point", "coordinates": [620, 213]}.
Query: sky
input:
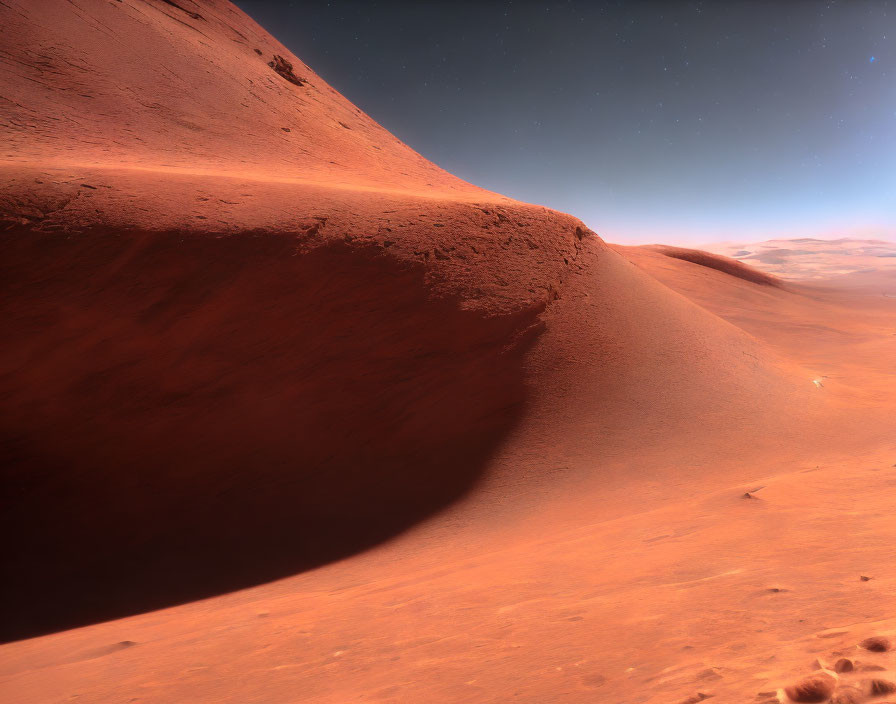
{"type": "Point", "coordinates": [651, 121]}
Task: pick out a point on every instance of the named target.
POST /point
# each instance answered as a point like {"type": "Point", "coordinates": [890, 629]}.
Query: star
{"type": "Point", "coordinates": [872, 60]}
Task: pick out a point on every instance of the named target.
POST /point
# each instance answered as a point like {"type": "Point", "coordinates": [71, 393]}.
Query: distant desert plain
{"type": "Point", "coordinates": [290, 414]}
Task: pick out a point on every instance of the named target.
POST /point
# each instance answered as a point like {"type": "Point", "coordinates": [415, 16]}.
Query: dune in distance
{"type": "Point", "coordinates": [289, 413]}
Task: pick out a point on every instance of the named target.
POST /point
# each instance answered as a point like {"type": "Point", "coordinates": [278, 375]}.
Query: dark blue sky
{"type": "Point", "coordinates": [691, 121]}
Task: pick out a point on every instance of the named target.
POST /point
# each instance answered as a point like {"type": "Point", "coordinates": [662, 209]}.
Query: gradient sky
{"type": "Point", "coordinates": [676, 122]}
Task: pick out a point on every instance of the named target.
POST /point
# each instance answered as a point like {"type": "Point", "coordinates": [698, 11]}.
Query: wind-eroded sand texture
{"type": "Point", "coordinates": [291, 414]}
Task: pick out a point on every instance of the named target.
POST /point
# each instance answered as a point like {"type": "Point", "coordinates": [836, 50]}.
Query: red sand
{"type": "Point", "coordinates": [716, 261]}
{"type": "Point", "coordinates": [487, 456]}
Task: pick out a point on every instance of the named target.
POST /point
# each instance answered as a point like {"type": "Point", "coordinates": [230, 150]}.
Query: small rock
{"type": "Point", "coordinates": [844, 665]}
{"type": "Point", "coordinates": [698, 697]}
{"type": "Point", "coordinates": [815, 688]}
{"type": "Point", "coordinates": [877, 644]}
{"type": "Point", "coordinates": [877, 688]}
{"type": "Point", "coordinates": [284, 68]}
{"type": "Point", "coordinates": [848, 695]}
{"type": "Point", "coordinates": [864, 578]}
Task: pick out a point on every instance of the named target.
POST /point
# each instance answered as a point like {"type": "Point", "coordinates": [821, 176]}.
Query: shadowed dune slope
{"type": "Point", "coordinates": [250, 331]}
{"type": "Point", "coordinates": [192, 409]}
{"type": "Point", "coordinates": [184, 416]}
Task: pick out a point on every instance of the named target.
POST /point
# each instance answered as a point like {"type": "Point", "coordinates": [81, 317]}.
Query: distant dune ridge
{"type": "Point", "coordinates": [251, 336]}
{"type": "Point", "coordinates": [715, 261]}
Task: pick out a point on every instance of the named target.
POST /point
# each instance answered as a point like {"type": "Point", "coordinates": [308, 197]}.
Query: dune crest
{"type": "Point", "coordinates": [716, 261]}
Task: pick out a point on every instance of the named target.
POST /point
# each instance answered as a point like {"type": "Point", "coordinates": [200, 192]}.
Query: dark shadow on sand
{"type": "Point", "coordinates": [186, 416]}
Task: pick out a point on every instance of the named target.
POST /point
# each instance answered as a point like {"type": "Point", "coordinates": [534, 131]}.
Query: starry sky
{"type": "Point", "coordinates": [652, 121]}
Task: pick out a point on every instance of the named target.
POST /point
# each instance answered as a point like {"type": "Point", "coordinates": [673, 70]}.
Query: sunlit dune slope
{"type": "Point", "coordinates": [716, 261]}
{"type": "Point", "coordinates": [186, 85]}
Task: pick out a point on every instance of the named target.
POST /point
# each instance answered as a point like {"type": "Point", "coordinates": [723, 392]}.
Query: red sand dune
{"type": "Point", "coordinates": [486, 455]}
{"type": "Point", "coordinates": [716, 261]}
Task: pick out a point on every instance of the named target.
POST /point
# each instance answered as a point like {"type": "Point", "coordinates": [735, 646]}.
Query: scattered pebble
{"type": "Point", "coordinates": [815, 688]}
{"type": "Point", "coordinates": [848, 695]}
{"type": "Point", "coordinates": [698, 697]}
{"type": "Point", "coordinates": [877, 688]}
{"type": "Point", "coordinates": [877, 644]}
{"type": "Point", "coordinates": [844, 665]}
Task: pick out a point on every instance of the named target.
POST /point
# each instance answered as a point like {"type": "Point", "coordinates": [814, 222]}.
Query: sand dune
{"type": "Point", "coordinates": [484, 454]}
{"type": "Point", "coordinates": [185, 86]}
{"type": "Point", "coordinates": [715, 261]}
